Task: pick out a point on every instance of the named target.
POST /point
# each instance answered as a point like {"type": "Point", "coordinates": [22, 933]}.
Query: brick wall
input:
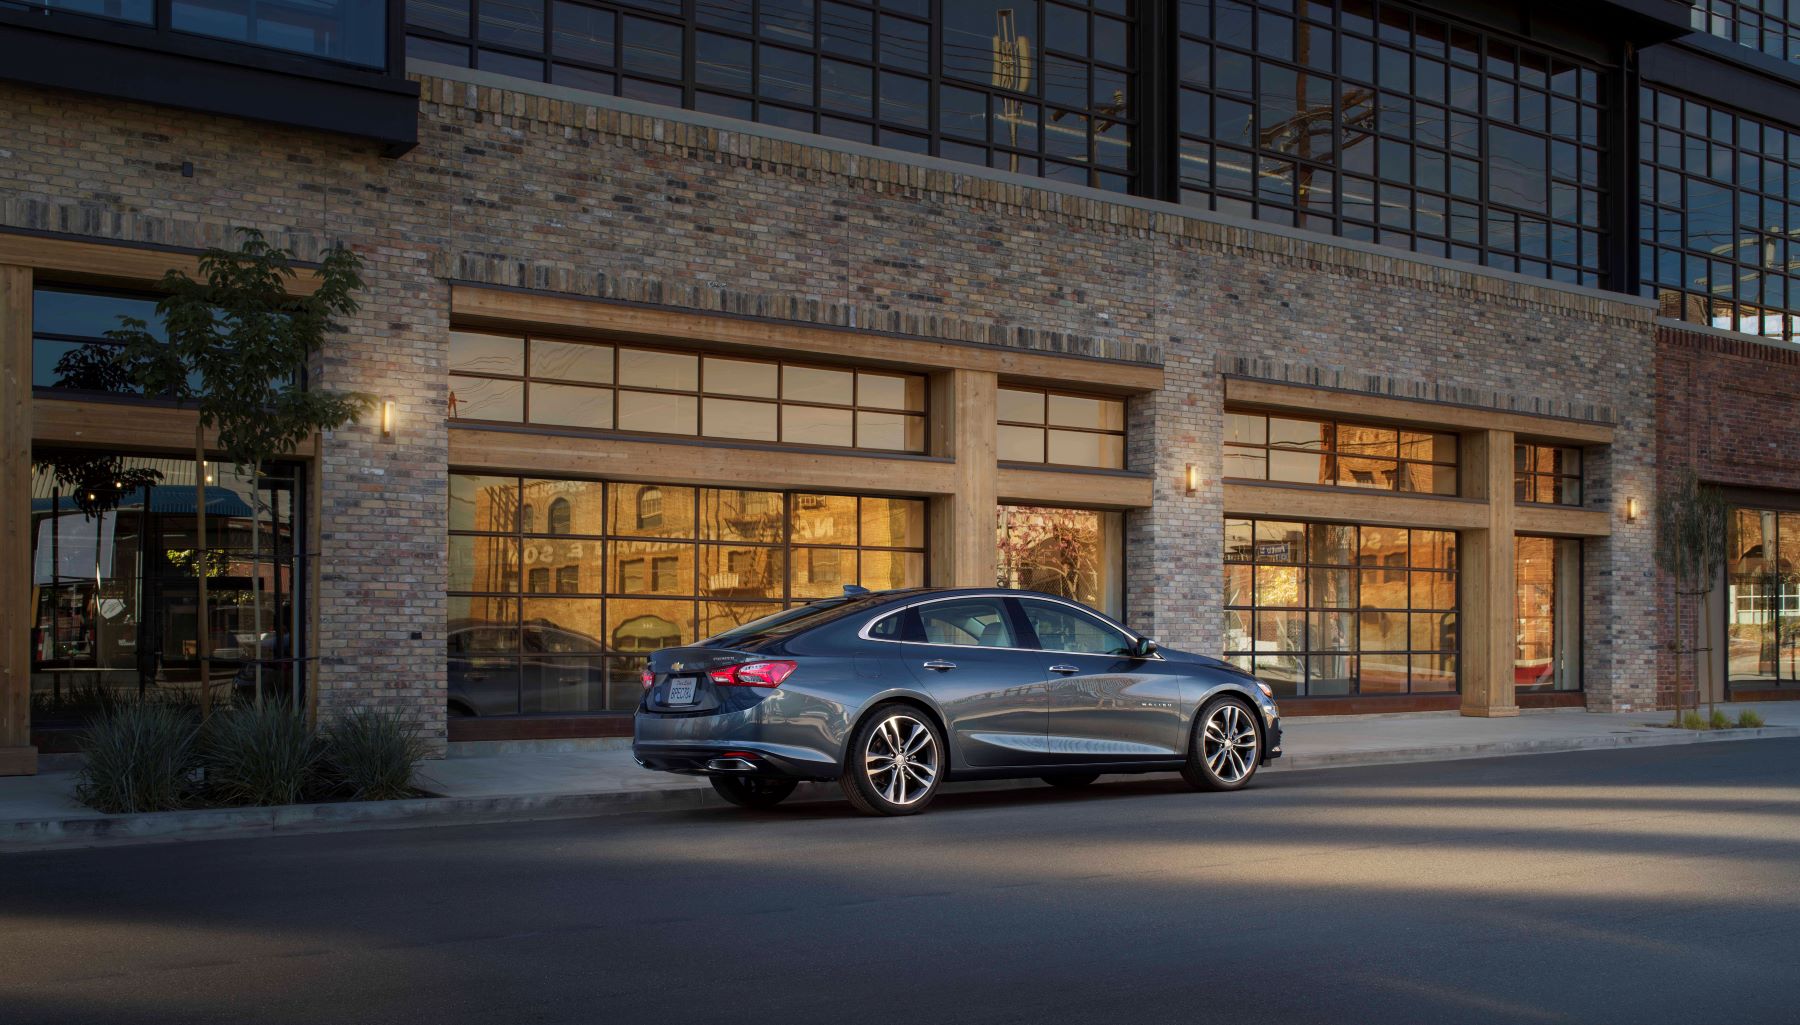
{"type": "Point", "coordinates": [528, 191]}
{"type": "Point", "coordinates": [1725, 408]}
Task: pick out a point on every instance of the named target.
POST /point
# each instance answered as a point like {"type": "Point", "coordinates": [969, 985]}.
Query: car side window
{"type": "Point", "coordinates": [970, 622]}
{"type": "Point", "coordinates": [1064, 629]}
{"type": "Point", "coordinates": [896, 626]}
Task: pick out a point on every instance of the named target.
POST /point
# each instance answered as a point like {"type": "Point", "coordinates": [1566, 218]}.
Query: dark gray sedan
{"type": "Point", "coordinates": [893, 693]}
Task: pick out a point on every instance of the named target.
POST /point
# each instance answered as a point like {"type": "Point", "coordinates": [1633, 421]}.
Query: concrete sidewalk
{"type": "Point", "coordinates": [508, 781]}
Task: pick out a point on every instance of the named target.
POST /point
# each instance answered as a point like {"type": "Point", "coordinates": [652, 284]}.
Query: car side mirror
{"type": "Point", "coordinates": [1144, 648]}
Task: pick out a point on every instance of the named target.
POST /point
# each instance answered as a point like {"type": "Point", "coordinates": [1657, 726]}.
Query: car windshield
{"type": "Point", "coordinates": [789, 621]}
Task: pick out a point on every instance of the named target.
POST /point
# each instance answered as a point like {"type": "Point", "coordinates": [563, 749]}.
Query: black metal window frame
{"type": "Point", "coordinates": [912, 98]}
{"type": "Point", "coordinates": [1719, 215]}
{"type": "Point", "coordinates": [1414, 87]}
{"type": "Point", "coordinates": [1751, 25]}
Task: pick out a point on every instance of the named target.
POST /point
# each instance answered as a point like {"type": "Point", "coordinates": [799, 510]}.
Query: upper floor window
{"type": "Point", "coordinates": [1030, 86]}
{"type": "Point", "coordinates": [1547, 473]}
{"type": "Point", "coordinates": [1757, 24]}
{"type": "Point", "coordinates": [351, 31]}
{"type": "Point", "coordinates": [69, 347]}
{"type": "Point", "coordinates": [1298, 450]}
{"type": "Point", "coordinates": [517, 379]}
{"type": "Point", "coordinates": [1365, 120]}
{"type": "Point", "coordinates": [1718, 209]}
{"type": "Point", "coordinates": [1062, 428]}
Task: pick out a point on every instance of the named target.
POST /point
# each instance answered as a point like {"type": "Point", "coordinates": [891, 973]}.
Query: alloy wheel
{"type": "Point", "coordinates": [901, 759]}
{"type": "Point", "coordinates": [1228, 743]}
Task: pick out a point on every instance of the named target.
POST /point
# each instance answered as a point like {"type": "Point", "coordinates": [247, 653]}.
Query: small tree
{"type": "Point", "coordinates": [238, 345]}
{"type": "Point", "coordinates": [1690, 547]}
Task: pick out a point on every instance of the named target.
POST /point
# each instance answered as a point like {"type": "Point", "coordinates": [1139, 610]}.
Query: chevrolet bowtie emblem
{"type": "Point", "coordinates": [675, 667]}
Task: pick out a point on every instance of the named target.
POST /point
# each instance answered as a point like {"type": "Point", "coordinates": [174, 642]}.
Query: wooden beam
{"type": "Point", "coordinates": [502, 309]}
{"type": "Point", "coordinates": [962, 521]}
{"type": "Point", "coordinates": [1559, 521]}
{"type": "Point", "coordinates": [76, 262]}
{"type": "Point", "coordinates": [125, 427]}
{"type": "Point", "coordinates": [490, 451]}
{"type": "Point", "coordinates": [17, 756]}
{"type": "Point", "coordinates": [1489, 590]}
{"type": "Point", "coordinates": [1268, 395]}
{"type": "Point", "coordinates": [1034, 486]}
{"type": "Point", "coordinates": [1349, 505]}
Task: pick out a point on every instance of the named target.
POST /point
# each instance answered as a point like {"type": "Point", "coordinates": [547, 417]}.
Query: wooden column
{"type": "Point", "coordinates": [962, 523]}
{"type": "Point", "coordinates": [1489, 591]}
{"type": "Point", "coordinates": [17, 756]}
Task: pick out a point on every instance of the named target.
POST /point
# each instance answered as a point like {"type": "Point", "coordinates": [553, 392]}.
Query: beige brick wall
{"type": "Point", "coordinates": [526, 191]}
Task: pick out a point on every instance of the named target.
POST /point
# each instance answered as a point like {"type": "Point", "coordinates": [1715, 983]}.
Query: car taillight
{"type": "Point", "coordinates": [752, 674]}
{"type": "Point", "coordinates": [648, 676]}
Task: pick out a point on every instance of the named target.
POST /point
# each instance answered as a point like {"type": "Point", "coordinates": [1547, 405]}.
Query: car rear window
{"type": "Point", "coordinates": [791, 621]}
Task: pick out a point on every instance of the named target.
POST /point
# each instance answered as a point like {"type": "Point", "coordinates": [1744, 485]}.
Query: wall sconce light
{"type": "Point", "coordinates": [206, 470]}
{"type": "Point", "coordinates": [387, 418]}
{"type": "Point", "coordinates": [1631, 510]}
{"type": "Point", "coordinates": [1193, 478]}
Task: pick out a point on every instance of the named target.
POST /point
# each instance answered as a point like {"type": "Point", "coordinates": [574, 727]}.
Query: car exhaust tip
{"type": "Point", "coordinates": [730, 765]}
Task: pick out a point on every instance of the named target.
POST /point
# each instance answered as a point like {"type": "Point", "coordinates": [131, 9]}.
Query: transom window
{"type": "Point", "coordinates": [1325, 609]}
{"type": "Point", "coordinates": [1030, 86]}
{"type": "Point", "coordinates": [595, 386]}
{"type": "Point", "coordinates": [1718, 211]}
{"type": "Point", "coordinates": [1304, 451]}
{"type": "Point", "coordinates": [1365, 120]}
{"type": "Point", "coordinates": [1063, 428]}
{"type": "Point", "coordinates": [69, 347]}
{"type": "Point", "coordinates": [1548, 474]}
{"type": "Point", "coordinates": [1757, 24]}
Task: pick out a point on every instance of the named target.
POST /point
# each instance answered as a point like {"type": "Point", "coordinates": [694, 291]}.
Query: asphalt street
{"type": "Point", "coordinates": [1657, 885]}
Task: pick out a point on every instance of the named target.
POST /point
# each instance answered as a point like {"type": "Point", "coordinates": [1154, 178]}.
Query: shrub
{"type": "Point", "coordinates": [140, 757]}
{"type": "Point", "coordinates": [1749, 719]}
{"type": "Point", "coordinates": [1693, 721]}
{"type": "Point", "coordinates": [1719, 721]}
{"type": "Point", "coordinates": [266, 755]}
{"type": "Point", "coordinates": [373, 755]}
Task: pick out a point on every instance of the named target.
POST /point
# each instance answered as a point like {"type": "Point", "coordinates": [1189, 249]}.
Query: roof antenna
{"type": "Point", "coordinates": [855, 589]}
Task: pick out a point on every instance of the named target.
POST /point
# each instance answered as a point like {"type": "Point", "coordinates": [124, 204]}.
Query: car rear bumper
{"type": "Point", "coordinates": [733, 744]}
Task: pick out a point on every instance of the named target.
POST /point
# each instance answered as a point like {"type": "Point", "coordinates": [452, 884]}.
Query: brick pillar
{"type": "Point", "coordinates": [962, 524]}
{"type": "Point", "coordinates": [1489, 589]}
{"type": "Point", "coordinates": [17, 756]}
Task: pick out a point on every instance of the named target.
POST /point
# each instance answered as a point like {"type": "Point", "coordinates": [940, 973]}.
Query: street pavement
{"type": "Point", "coordinates": [1633, 885]}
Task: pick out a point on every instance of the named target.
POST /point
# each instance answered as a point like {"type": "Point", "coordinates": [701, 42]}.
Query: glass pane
{"type": "Point", "coordinates": [650, 567]}
{"type": "Point", "coordinates": [1331, 631]}
{"type": "Point", "coordinates": [1382, 589]}
{"type": "Point", "coordinates": [737, 418]}
{"type": "Point", "coordinates": [651, 510]}
{"type": "Point", "coordinates": [743, 572]}
{"type": "Point", "coordinates": [1246, 463]}
{"type": "Point", "coordinates": [1299, 467]}
{"type": "Point", "coordinates": [1433, 590]}
{"type": "Point", "coordinates": [892, 432]}
{"type": "Point", "coordinates": [1089, 413]}
{"type": "Point", "coordinates": [657, 412]}
{"type": "Point", "coordinates": [817, 425]}
{"type": "Point", "coordinates": [822, 572]}
{"type": "Point", "coordinates": [1331, 588]}
{"type": "Point", "coordinates": [1382, 672]}
{"type": "Point", "coordinates": [572, 361]}
{"type": "Point", "coordinates": [1021, 444]}
{"type": "Point", "coordinates": [886, 570]}
{"type": "Point", "coordinates": [1432, 673]}
{"type": "Point", "coordinates": [561, 507]}
{"type": "Point", "coordinates": [1364, 472]}
{"type": "Point", "coordinates": [1301, 434]}
{"type": "Point", "coordinates": [1280, 541]}
{"type": "Point", "coordinates": [815, 384]}
{"type": "Point", "coordinates": [1439, 448]}
{"type": "Point", "coordinates": [1754, 579]}
{"type": "Point", "coordinates": [1434, 631]}
{"type": "Point", "coordinates": [483, 503]}
{"type": "Point", "coordinates": [1072, 553]}
{"type": "Point", "coordinates": [824, 520]}
{"type": "Point", "coordinates": [1330, 675]}
{"type": "Point", "coordinates": [893, 523]}
{"type": "Point", "coordinates": [1238, 543]}
{"type": "Point", "coordinates": [1063, 629]}
{"type": "Point", "coordinates": [561, 684]}
{"type": "Point", "coordinates": [481, 398]}
{"type": "Point", "coordinates": [1238, 583]}
{"type": "Point", "coordinates": [731, 515]}
{"type": "Point", "coordinates": [1021, 406]}
{"type": "Point", "coordinates": [1434, 549]}
{"type": "Point", "coordinates": [563, 567]}
{"type": "Point", "coordinates": [483, 563]}
{"type": "Point", "coordinates": [648, 624]}
{"type": "Point", "coordinates": [740, 377]}
{"type": "Point", "coordinates": [648, 368]}
{"type": "Point", "coordinates": [890, 391]}
{"type": "Point", "coordinates": [1080, 448]}
{"type": "Point", "coordinates": [1279, 586]}
{"type": "Point", "coordinates": [478, 353]}
{"type": "Point", "coordinates": [716, 617]}
{"type": "Point", "coordinates": [567, 405]}
{"type": "Point", "coordinates": [1360, 440]}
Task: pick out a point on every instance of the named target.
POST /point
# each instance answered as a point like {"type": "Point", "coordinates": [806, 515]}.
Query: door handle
{"type": "Point", "coordinates": [1065, 669]}
{"type": "Point", "coordinates": [941, 665]}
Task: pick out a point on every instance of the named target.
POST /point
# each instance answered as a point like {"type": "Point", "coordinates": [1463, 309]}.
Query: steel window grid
{"type": "Point", "coordinates": [1046, 426]}
{"type": "Point", "coordinates": [1332, 452]}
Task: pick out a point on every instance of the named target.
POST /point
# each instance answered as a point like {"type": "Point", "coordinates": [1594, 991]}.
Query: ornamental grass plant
{"type": "Point", "coordinates": [373, 755]}
{"type": "Point", "coordinates": [141, 756]}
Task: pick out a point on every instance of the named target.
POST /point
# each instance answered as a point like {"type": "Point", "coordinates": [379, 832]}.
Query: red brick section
{"type": "Point", "coordinates": [1725, 406]}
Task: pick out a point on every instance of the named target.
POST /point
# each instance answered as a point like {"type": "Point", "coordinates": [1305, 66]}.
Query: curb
{"type": "Point", "coordinates": [77, 831]}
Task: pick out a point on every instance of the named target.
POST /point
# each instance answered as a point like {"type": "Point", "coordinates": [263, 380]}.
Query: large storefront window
{"type": "Point", "coordinates": [1548, 607]}
{"type": "Point", "coordinates": [558, 588]}
{"type": "Point", "coordinates": [1762, 595]}
{"type": "Point", "coordinates": [1074, 553]}
{"type": "Point", "coordinates": [1027, 86]}
{"type": "Point", "coordinates": [114, 601]}
{"type": "Point", "coordinates": [1366, 120]}
{"type": "Point", "coordinates": [1298, 450]}
{"type": "Point", "coordinates": [1327, 609]}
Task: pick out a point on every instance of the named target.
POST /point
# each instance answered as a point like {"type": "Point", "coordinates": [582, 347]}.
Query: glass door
{"type": "Point", "coordinates": [1547, 609]}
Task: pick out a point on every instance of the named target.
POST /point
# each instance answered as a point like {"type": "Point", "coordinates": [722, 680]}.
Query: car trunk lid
{"type": "Point", "coordinates": [678, 680]}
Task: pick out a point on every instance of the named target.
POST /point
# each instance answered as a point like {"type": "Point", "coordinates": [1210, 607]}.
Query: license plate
{"type": "Point", "coordinates": [681, 692]}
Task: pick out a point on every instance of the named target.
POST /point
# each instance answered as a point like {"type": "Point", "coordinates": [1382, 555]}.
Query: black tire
{"type": "Point", "coordinates": [1224, 757]}
{"type": "Point", "coordinates": [753, 791]}
{"type": "Point", "coordinates": [1071, 780]}
{"type": "Point", "coordinates": [881, 792]}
